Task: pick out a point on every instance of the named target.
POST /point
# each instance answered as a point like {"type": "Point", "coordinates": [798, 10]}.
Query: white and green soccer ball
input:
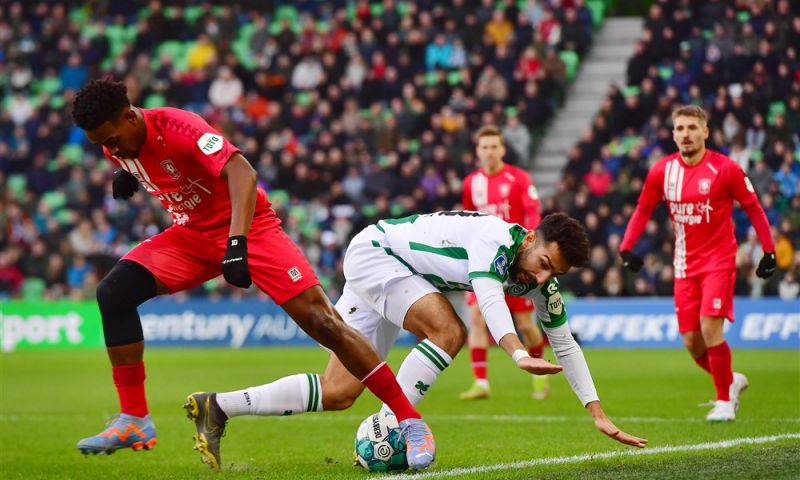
{"type": "Point", "coordinates": [380, 447]}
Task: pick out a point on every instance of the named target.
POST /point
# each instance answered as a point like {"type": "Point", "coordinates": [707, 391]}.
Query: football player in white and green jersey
{"type": "Point", "coordinates": [396, 271]}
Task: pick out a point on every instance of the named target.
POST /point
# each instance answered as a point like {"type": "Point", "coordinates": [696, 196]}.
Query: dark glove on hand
{"type": "Point", "coordinates": [631, 261]}
{"type": "Point", "coordinates": [124, 185]}
{"type": "Point", "coordinates": [767, 265]}
{"type": "Point", "coordinates": [234, 265]}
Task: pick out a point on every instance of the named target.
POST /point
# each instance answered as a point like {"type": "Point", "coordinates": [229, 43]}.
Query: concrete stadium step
{"type": "Point", "coordinates": [604, 65]}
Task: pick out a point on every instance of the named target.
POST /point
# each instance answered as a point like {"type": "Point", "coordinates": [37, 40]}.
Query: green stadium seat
{"type": "Point", "coordinates": [192, 12]}
{"type": "Point", "coordinates": [775, 109]}
{"type": "Point", "coordinates": [299, 213]}
{"type": "Point", "coordinates": [73, 152]}
{"type": "Point", "coordinates": [33, 289]}
{"type": "Point", "coordinates": [279, 198]}
{"type": "Point", "coordinates": [54, 199]}
{"type": "Point", "coordinates": [49, 85]}
{"type": "Point", "coordinates": [16, 183]}
{"type": "Point", "coordinates": [403, 8]}
{"type": "Point", "coordinates": [79, 15]}
{"type": "Point", "coordinates": [571, 62]}
{"type": "Point", "coordinates": [598, 8]}
{"type": "Point", "coordinates": [154, 100]}
{"type": "Point", "coordinates": [376, 9]}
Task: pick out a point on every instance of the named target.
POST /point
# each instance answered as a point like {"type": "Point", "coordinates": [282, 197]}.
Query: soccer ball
{"type": "Point", "coordinates": [380, 447]}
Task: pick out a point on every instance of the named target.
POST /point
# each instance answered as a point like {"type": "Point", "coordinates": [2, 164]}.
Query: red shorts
{"type": "Point", "coordinates": [515, 304]}
{"type": "Point", "coordinates": [708, 294]}
{"type": "Point", "coordinates": [182, 258]}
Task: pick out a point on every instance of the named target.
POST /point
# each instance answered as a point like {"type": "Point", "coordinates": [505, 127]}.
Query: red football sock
{"type": "Point", "coordinates": [129, 380]}
{"type": "Point", "coordinates": [478, 357]}
{"type": "Point", "coordinates": [537, 351]}
{"type": "Point", "coordinates": [719, 358]}
{"type": "Point", "coordinates": [702, 360]}
{"type": "Point", "coordinates": [383, 384]}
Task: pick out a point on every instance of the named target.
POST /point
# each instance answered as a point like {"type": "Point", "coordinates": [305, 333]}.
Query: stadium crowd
{"type": "Point", "coordinates": [353, 111]}
{"type": "Point", "coordinates": [737, 59]}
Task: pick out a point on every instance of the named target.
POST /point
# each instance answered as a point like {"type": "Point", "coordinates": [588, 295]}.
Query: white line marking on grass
{"type": "Point", "coordinates": [341, 417]}
{"type": "Point", "coordinates": [598, 456]}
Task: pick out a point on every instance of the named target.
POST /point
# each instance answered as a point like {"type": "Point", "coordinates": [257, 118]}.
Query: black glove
{"type": "Point", "coordinates": [631, 261]}
{"type": "Point", "coordinates": [124, 185]}
{"type": "Point", "coordinates": [234, 265]}
{"type": "Point", "coordinates": [767, 265]}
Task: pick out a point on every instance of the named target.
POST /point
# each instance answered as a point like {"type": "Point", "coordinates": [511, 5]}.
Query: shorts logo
{"type": "Point", "coordinates": [169, 167]}
{"type": "Point", "coordinates": [210, 143]}
{"type": "Point", "coordinates": [705, 186]}
{"type": "Point", "coordinates": [501, 265]}
{"type": "Point", "coordinates": [294, 274]}
{"type": "Point", "coordinates": [717, 303]}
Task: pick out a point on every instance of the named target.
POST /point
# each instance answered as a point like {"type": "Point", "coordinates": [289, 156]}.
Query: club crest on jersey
{"type": "Point", "coordinates": [501, 265]}
{"type": "Point", "coordinates": [705, 186]}
{"type": "Point", "coordinates": [170, 168]}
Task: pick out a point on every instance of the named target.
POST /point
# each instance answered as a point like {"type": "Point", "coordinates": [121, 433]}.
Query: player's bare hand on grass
{"type": "Point", "coordinates": [538, 366]}
{"type": "Point", "coordinates": [607, 427]}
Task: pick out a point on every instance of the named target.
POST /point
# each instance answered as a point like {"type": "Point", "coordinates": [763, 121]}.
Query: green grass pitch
{"type": "Point", "coordinates": [49, 400]}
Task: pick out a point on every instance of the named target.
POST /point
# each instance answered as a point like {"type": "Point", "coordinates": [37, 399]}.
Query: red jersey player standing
{"type": "Point", "coordinates": [222, 223]}
{"type": "Point", "coordinates": [699, 187]}
{"type": "Point", "coordinates": [506, 191]}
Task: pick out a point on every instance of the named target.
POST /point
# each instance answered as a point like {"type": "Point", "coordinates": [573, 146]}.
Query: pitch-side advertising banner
{"type": "Point", "coordinates": [628, 323]}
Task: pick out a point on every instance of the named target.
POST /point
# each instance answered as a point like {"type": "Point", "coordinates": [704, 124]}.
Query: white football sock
{"type": "Point", "coordinates": [420, 369]}
{"type": "Point", "coordinates": [286, 396]}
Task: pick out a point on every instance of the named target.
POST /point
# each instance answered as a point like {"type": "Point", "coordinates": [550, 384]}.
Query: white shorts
{"type": "Point", "coordinates": [378, 290]}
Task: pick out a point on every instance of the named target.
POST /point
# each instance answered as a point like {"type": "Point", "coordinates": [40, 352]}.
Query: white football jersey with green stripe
{"type": "Point", "coordinates": [452, 247]}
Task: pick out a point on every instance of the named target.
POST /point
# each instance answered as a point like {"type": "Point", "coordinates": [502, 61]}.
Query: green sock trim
{"type": "Point", "coordinates": [432, 355]}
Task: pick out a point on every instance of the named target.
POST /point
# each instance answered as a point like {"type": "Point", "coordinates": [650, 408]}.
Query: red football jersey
{"type": "Point", "coordinates": [508, 194]}
{"type": "Point", "coordinates": [180, 162]}
{"type": "Point", "coordinates": [700, 203]}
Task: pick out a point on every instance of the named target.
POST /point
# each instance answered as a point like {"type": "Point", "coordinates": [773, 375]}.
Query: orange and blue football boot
{"type": "Point", "coordinates": [123, 431]}
{"type": "Point", "coordinates": [420, 447]}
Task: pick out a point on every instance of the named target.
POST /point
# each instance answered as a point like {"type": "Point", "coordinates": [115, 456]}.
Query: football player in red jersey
{"type": "Point", "coordinates": [699, 187]}
{"type": "Point", "coordinates": [222, 224]}
{"type": "Point", "coordinates": [506, 191]}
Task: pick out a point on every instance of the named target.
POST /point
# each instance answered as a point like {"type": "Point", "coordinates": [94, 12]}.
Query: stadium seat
{"type": "Point", "coordinates": [154, 100]}
{"type": "Point", "coordinates": [16, 185]}
{"type": "Point", "coordinates": [73, 152]}
{"type": "Point", "coordinates": [571, 61]}
{"type": "Point", "coordinates": [598, 8]}
{"type": "Point", "coordinates": [33, 289]}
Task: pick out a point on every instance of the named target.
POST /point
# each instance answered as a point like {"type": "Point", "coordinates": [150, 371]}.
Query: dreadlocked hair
{"type": "Point", "coordinates": [570, 236]}
{"type": "Point", "coordinates": [99, 101]}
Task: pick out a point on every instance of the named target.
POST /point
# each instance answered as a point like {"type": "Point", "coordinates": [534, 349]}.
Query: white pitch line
{"type": "Point", "coordinates": [338, 417]}
{"type": "Point", "coordinates": [597, 456]}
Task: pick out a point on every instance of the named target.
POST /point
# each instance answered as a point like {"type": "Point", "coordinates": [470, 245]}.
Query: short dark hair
{"type": "Point", "coordinates": [99, 101]}
{"type": "Point", "coordinates": [569, 234]}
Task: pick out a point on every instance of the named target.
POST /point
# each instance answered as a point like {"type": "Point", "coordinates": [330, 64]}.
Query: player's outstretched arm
{"type": "Point", "coordinates": [605, 425]}
{"type": "Point", "coordinates": [537, 366]}
{"type": "Point", "coordinates": [491, 300]}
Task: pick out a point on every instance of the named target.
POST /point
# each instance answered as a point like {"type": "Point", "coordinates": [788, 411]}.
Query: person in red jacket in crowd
{"type": "Point", "coordinates": [699, 187]}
